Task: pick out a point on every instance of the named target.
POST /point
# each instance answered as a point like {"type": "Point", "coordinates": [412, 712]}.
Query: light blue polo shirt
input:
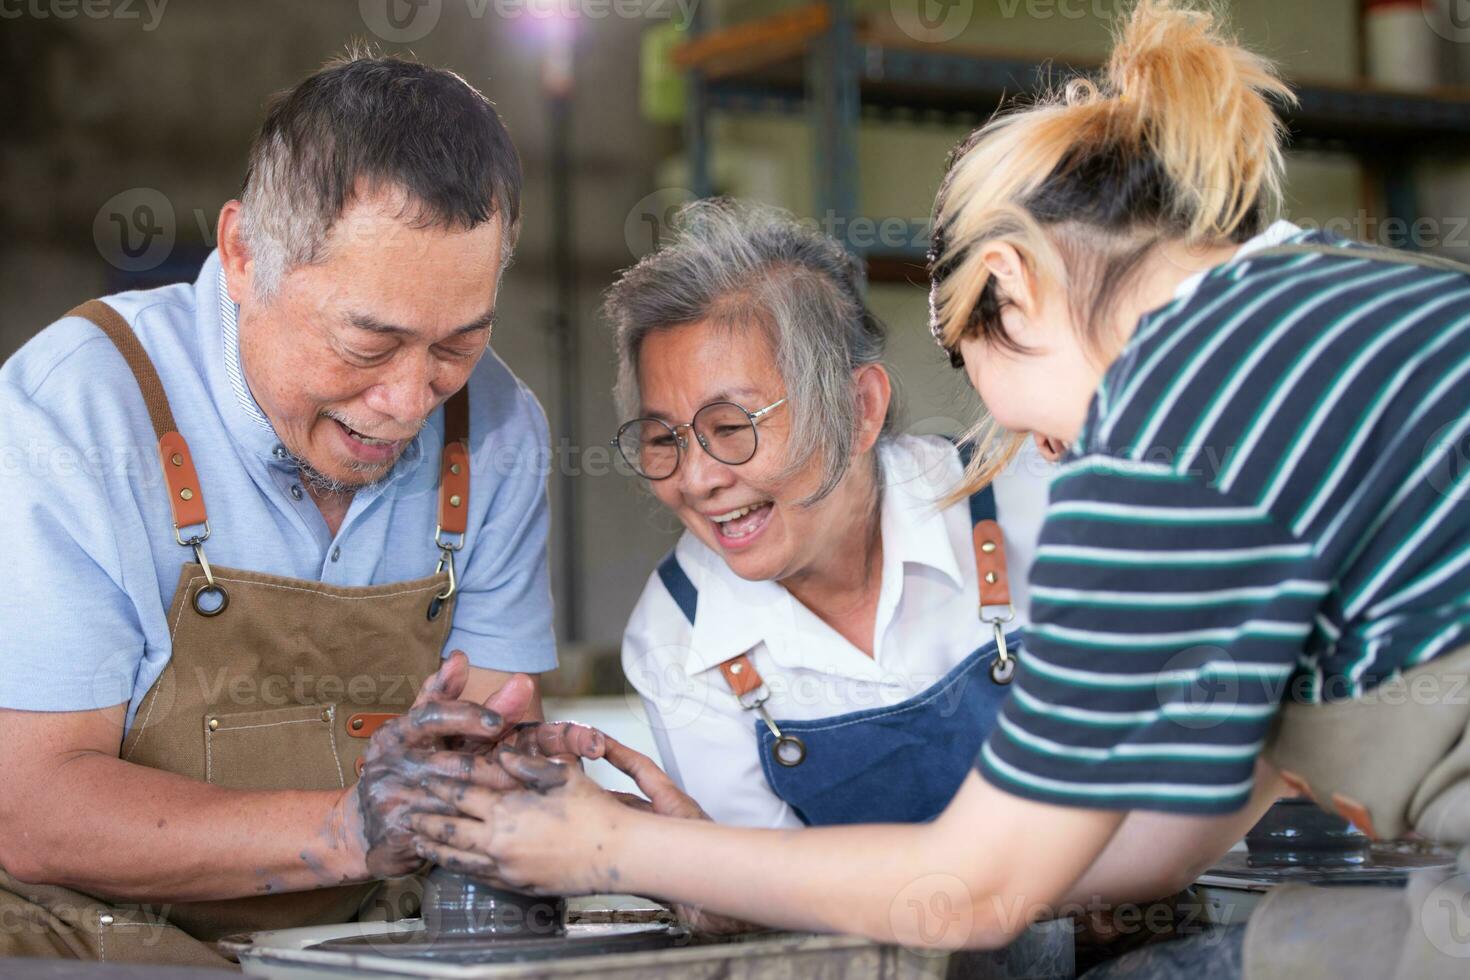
{"type": "Point", "coordinates": [90, 560]}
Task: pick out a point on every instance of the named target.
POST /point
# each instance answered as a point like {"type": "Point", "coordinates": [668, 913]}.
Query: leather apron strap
{"type": "Point", "coordinates": [185, 496]}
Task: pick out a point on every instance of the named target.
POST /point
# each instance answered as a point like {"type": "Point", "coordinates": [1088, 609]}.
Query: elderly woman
{"type": "Point", "coordinates": [813, 650]}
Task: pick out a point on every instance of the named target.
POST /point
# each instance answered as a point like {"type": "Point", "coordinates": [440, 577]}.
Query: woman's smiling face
{"type": "Point", "coordinates": [750, 514]}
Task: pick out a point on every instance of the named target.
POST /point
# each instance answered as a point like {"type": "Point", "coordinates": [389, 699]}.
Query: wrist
{"type": "Point", "coordinates": [345, 857]}
{"type": "Point", "coordinates": [619, 871]}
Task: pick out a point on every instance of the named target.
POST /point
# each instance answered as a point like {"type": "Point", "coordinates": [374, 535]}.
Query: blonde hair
{"type": "Point", "coordinates": [1176, 143]}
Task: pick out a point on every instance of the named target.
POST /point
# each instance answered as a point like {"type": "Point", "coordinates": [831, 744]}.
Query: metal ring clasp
{"type": "Point", "coordinates": [210, 586]}
{"type": "Point", "coordinates": [1004, 667]}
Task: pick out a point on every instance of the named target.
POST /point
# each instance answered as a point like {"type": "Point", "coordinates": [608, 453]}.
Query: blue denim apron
{"type": "Point", "coordinates": [897, 764]}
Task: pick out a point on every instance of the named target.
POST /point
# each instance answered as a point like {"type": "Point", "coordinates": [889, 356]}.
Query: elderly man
{"type": "Point", "coordinates": [250, 518]}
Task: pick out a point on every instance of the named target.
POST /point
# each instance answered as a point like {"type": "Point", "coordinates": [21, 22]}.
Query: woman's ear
{"type": "Point", "coordinates": [1009, 269]}
{"type": "Point", "coordinates": [874, 393]}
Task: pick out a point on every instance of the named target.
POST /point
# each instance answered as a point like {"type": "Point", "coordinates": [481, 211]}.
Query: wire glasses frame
{"type": "Point", "coordinates": [725, 430]}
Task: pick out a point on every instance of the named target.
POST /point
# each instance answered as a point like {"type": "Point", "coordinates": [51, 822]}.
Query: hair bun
{"type": "Point", "coordinates": [1184, 91]}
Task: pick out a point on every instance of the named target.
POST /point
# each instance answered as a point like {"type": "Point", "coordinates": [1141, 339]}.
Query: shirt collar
{"type": "Point", "coordinates": [1280, 231]}
{"type": "Point", "coordinates": [733, 615]}
{"type": "Point", "coordinates": [244, 419]}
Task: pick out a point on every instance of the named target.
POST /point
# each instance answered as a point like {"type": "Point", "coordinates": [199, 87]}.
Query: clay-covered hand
{"type": "Point", "coordinates": [551, 836]}
{"type": "Point", "coordinates": [401, 752]}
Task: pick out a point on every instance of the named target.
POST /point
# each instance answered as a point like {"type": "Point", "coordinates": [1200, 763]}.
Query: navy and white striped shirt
{"type": "Point", "coordinates": [1267, 502]}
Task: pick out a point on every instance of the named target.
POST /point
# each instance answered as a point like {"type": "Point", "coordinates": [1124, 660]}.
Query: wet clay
{"type": "Point", "coordinates": [458, 906]}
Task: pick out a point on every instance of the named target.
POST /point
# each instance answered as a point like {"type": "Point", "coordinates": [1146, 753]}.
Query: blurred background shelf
{"type": "Point", "coordinates": [828, 63]}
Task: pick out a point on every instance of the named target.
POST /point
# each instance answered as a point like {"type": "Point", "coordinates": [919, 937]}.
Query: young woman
{"type": "Point", "coordinates": [1259, 522]}
{"type": "Point", "coordinates": [816, 625]}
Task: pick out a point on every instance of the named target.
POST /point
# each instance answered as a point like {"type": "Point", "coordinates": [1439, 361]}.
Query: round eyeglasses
{"type": "Point", "coordinates": [725, 430]}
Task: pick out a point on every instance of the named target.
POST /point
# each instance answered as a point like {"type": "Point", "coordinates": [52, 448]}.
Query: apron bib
{"type": "Point", "coordinates": [897, 764]}
{"type": "Point", "coordinates": [273, 684]}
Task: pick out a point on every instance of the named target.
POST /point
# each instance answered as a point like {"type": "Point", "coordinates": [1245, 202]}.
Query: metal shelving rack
{"type": "Point", "coordinates": [822, 61]}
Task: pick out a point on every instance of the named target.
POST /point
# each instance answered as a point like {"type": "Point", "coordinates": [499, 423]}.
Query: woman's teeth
{"type": "Point", "coordinates": [743, 521]}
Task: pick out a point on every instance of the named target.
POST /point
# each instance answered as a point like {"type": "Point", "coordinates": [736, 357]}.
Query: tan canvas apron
{"type": "Point", "coordinates": [1394, 761]}
{"type": "Point", "coordinates": [278, 688]}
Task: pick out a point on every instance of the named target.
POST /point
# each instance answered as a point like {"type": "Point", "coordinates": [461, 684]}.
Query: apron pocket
{"type": "Point", "coordinates": [273, 749]}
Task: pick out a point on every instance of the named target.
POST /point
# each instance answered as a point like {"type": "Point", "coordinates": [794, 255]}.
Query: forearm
{"type": "Point", "coordinates": [889, 883]}
{"type": "Point", "coordinates": [108, 827]}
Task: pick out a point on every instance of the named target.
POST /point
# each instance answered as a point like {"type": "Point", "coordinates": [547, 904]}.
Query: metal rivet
{"type": "Point", "coordinates": [104, 919]}
{"type": "Point", "coordinates": [736, 668]}
{"type": "Point", "coordinates": [186, 494]}
{"type": "Point", "coordinates": [326, 714]}
{"type": "Point", "coordinates": [454, 468]}
{"type": "Point", "coordinates": [177, 459]}
{"type": "Point", "coordinates": [214, 724]}
{"type": "Point", "coordinates": [988, 547]}
{"type": "Point", "coordinates": [990, 577]}
{"type": "Point", "coordinates": [454, 501]}
{"type": "Point", "coordinates": [357, 724]}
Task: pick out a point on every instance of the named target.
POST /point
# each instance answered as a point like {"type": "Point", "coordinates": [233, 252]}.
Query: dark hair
{"type": "Point", "coordinates": [386, 122]}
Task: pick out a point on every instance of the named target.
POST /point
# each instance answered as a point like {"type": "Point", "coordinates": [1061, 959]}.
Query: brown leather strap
{"type": "Point", "coordinates": [110, 322]}
{"type": "Point", "coordinates": [364, 723]}
{"type": "Point", "coordinates": [990, 564]}
{"type": "Point", "coordinates": [741, 675]}
{"type": "Point", "coordinates": [185, 496]}
{"type": "Point", "coordinates": [454, 468]}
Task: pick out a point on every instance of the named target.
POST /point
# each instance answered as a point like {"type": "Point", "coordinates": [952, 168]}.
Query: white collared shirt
{"type": "Point", "coordinates": [926, 624]}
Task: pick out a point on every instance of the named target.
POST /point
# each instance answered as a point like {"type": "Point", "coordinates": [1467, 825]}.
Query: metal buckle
{"type": "Point", "coordinates": [789, 750]}
{"type": "Point", "coordinates": [1004, 667]}
{"type": "Point", "coordinates": [194, 540]}
{"type": "Point", "coordinates": [210, 585]}
{"type": "Point", "coordinates": [440, 542]}
{"type": "Point", "coordinates": [446, 560]}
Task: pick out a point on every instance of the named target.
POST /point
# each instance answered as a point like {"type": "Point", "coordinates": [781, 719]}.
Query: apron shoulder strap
{"type": "Point", "coordinates": [989, 542]}
{"type": "Point", "coordinates": [677, 581]}
{"type": "Point", "coordinates": [454, 466]}
{"type": "Point", "coordinates": [185, 496]}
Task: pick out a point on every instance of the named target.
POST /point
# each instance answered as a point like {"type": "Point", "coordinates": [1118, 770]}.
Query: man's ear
{"type": "Point", "coordinates": [874, 392]}
{"type": "Point", "coordinates": [233, 255]}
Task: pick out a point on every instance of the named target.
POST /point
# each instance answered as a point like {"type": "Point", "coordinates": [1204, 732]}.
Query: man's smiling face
{"type": "Point", "coordinates": [352, 353]}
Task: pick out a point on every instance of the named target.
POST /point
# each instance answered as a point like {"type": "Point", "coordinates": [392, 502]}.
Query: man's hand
{"type": "Point", "coordinates": [442, 736]}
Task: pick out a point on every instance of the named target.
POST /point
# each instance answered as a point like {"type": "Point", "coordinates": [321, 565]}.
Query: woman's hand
{"type": "Point", "coordinates": [440, 735]}
{"type": "Point", "coordinates": [555, 833]}
{"type": "Point", "coordinates": [667, 799]}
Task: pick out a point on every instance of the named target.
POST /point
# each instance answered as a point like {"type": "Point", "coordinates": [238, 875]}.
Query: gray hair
{"type": "Point", "coordinates": [748, 266]}
{"type": "Point", "coordinates": [386, 123]}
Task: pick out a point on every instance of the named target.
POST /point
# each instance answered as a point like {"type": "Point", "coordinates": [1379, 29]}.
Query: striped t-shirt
{"type": "Point", "coordinates": [1267, 502]}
